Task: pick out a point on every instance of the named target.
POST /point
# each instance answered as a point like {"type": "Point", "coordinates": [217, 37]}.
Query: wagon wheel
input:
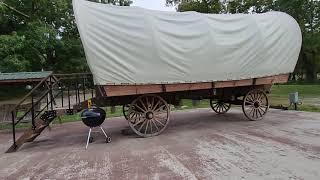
{"type": "Point", "coordinates": [125, 110]}
{"type": "Point", "coordinates": [219, 106]}
{"type": "Point", "coordinates": [148, 115]}
{"type": "Point", "coordinates": [255, 104]}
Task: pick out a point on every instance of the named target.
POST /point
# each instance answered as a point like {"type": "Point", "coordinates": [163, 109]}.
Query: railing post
{"type": "Point", "coordinates": [62, 96]}
{"type": "Point", "coordinates": [91, 93]}
{"type": "Point", "coordinates": [32, 113]}
{"type": "Point", "coordinates": [47, 97]}
{"type": "Point", "coordinates": [51, 96]}
{"type": "Point", "coordinates": [69, 98]}
{"type": "Point", "coordinates": [76, 90]}
{"type": "Point", "coordinates": [84, 88]}
{"type": "Point", "coordinates": [13, 129]}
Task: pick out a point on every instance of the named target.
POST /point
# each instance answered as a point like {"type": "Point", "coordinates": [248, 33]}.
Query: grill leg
{"type": "Point", "coordinates": [105, 134]}
{"type": "Point", "coordinates": [88, 138]}
{"type": "Point", "coordinates": [108, 139]}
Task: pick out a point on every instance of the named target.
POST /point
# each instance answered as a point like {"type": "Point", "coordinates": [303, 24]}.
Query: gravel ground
{"type": "Point", "coordinates": [198, 144]}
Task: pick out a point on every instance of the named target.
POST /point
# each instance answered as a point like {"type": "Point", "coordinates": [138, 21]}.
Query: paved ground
{"type": "Point", "coordinates": [198, 144]}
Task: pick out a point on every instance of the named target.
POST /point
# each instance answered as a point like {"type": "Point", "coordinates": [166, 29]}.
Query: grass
{"type": "Point", "coordinates": [308, 95]}
{"type": "Point", "coordinates": [311, 91]}
{"type": "Point", "coordinates": [278, 96]}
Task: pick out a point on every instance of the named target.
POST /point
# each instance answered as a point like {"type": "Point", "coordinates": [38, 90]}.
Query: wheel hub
{"type": "Point", "coordinates": [149, 115]}
{"type": "Point", "coordinates": [256, 104]}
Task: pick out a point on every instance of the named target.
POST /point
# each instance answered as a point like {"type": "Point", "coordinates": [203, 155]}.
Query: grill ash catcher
{"type": "Point", "coordinates": [93, 118]}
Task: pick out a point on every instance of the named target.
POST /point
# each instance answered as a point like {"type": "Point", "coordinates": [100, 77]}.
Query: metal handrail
{"type": "Point", "coordinates": [30, 93]}
{"type": "Point", "coordinates": [36, 103]}
{"type": "Point", "coordinates": [57, 81]}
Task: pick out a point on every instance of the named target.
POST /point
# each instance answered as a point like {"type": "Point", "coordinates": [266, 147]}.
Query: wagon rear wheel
{"type": "Point", "coordinates": [255, 105]}
{"type": "Point", "coordinates": [219, 106]}
{"type": "Point", "coordinates": [148, 115]}
{"type": "Point", "coordinates": [125, 110]}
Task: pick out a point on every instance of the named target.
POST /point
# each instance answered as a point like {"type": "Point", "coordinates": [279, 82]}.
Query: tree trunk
{"type": "Point", "coordinates": [311, 70]}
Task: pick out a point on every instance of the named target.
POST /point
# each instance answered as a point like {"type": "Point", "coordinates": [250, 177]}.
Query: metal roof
{"type": "Point", "coordinates": [23, 76]}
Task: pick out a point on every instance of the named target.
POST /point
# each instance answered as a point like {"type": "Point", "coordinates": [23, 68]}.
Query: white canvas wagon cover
{"type": "Point", "coordinates": [132, 45]}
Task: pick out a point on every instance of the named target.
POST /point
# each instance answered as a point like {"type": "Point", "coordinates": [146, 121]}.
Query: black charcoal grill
{"type": "Point", "coordinates": [93, 118]}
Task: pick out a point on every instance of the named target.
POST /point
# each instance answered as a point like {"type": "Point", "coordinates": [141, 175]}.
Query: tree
{"type": "Point", "coordinates": [44, 30]}
{"type": "Point", "coordinates": [306, 12]}
{"type": "Point", "coordinates": [115, 2]}
{"type": "Point", "coordinates": [41, 34]}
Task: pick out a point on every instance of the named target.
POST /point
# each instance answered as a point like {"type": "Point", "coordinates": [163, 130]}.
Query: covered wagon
{"type": "Point", "coordinates": [145, 60]}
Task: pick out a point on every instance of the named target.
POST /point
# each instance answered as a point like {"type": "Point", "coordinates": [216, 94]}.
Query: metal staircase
{"type": "Point", "coordinates": [57, 95]}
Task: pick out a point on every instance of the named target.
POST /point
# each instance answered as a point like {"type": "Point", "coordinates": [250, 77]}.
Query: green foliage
{"type": "Point", "coordinates": [41, 34]}
{"type": "Point", "coordinates": [11, 51]}
{"type": "Point", "coordinates": [202, 6]}
{"type": "Point", "coordinates": [115, 2]}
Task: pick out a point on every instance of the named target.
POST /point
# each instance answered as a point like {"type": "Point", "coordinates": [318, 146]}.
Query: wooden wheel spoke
{"type": "Point", "coordinates": [154, 107]}
{"type": "Point", "coordinates": [262, 110]}
{"type": "Point", "coordinates": [160, 118]}
{"type": "Point", "coordinates": [261, 97]}
{"type": "Point", "coordinates": [155, 124]}
{"type": "Point", "coordinates": [144, 107]}
{"type": "Point", "coordinates": [147, 101]}
{"type": "Point", "coordinates": [144, 122]}
{"type": "Point", "coordinates": [159, 122]}
{"type": "Point", "coordinates": [136, 118]}
{"type": "Point", "coordinates": [251, 98]}
{"type": "Point", "coordinates": [256, 110]}
{"type": "Point", "coordinates": [146, 129]}
{"type": "Point", "coordinates": [151, 131]}
{"type": "Point", "coordinates": [252, 109]}
{"type": "Point", "coordinates": [256, 94]}
{"type": "Point", "coordinates": [226, 107]}
{"type": "Point", "coordinates": [158, 109]}
{"type": "Point", "coordinates": [137, 123]}
{"type": "Point", "coordinates": [139, 108]}
{"type": "Point", "coordinates": [131, 113]}
{"type": "Point", "coordinates": [259, 112]}
{"type": "Point", "coordinates": [215, 105]}
{"type": "Point", "coordinates": [249, 106]}
{"type": "Point", "coordinates": [220, 108]}
{"type": "Point", "coordinates": [248, 102]}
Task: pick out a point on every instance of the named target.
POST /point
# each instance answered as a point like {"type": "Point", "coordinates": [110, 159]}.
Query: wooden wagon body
{"type": "Point", "coordinates": [147, 107]}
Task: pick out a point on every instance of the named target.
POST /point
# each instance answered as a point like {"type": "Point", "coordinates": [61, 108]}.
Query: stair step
{"type": "Point", "coordinates": [22, 139]}
{"type": "Point", "coordinates": [32, 137]}
{"type": "Point", "coordinates": [29, 135]}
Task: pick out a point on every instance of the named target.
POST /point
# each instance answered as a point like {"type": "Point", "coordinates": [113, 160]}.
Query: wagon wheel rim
{"type": "Point", "coordinates": [148, 115]}
{"type": "Point", "coordinates": [219, 106]}
{"type": "Point", "coordinates": [255, 105]}
{"type": "Point", "coordinates": [125, 110]}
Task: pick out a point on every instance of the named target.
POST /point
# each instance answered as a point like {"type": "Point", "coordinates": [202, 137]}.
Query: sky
{"type": "Point", "coordinates": [153, 4]}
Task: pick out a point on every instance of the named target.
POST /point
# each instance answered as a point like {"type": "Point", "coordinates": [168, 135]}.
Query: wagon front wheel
{"type": "Point", "coordinates": [255, 105]}
{"type": "Point", "coordinates": [219, 106]}
{"type": "Point", "coordinates": [148, 115]}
